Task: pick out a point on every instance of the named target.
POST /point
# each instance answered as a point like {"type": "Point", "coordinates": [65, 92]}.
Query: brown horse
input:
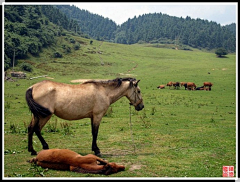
{"type": "Point", "coordinates": [161, 87]}
{"type": "Point", "coordinates": [183, 83]}
{"type": "Point", "coordinates": [90, 99]}
{"type": "Point", "coordinates": [207, 84]}
{"type": "Point", "coordinates": [174, 84]}
{"type": "Point", "coordinates": [169, 84]}
{"type": "Point", "coordinates": [65, 159]}
{"type": "Point", "coordinates": [191, 86]}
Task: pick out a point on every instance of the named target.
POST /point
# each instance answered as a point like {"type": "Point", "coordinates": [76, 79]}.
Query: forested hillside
{"type": "Point", "coordinates": [156, 28]}
{"type": "Point", "coordinates": [97, 27]}
{"type": "Point", "coordinates": [162, 28]}
{"type": "Point", "coordinates": [29, 28]}
{"type": "Point", "coordinates": [231, 28]}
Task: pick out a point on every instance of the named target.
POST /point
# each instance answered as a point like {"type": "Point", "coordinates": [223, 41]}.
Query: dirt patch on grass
{"type": "Point", "coordinates": [84, 80]}
{"type": "Point", "coordinates": [127, 74]}
{"type": "Point", "coordinates": [219, 69]}
{"type": "Point", "coordinates": [135, 167]}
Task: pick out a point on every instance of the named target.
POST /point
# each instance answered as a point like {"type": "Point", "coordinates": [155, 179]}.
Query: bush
{"type": "Point", "coordinates": [66, 48]}
{"type": "Point", "coordinates": [72, 40]}
{"type": "Point", "coordinates": [77, 46]}
{"type": "Point", "coordinates": [26, 67]}
{"type": "Point", "coordinates": [57, 55]}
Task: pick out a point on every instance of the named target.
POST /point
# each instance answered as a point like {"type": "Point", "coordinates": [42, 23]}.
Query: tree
{"type": "Point", "coordinates": [221, 52]}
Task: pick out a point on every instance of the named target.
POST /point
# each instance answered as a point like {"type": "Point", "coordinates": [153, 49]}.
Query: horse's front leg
{"type": "Point", "coordinates": [95, 126]}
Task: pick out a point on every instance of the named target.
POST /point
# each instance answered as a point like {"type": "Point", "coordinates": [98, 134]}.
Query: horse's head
{"type": "Point", "coordinates": [135, 96]}
{"type": "Point", "coordinates": [112, 167]}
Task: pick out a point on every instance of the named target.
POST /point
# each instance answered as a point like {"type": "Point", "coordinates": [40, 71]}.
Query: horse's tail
{"type": "Point", "coordinates": [35, 108]}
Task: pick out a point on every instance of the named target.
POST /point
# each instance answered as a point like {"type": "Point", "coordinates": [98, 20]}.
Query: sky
{"type": "Point", "coordinates": [222, 13]}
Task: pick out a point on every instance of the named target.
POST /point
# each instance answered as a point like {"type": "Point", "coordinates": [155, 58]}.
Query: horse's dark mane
{"type": "Point", "coordinates": [117, 82]}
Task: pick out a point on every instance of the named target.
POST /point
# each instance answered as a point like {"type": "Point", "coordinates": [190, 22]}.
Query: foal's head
{"type": "Point", "coordinates": [135, 96]}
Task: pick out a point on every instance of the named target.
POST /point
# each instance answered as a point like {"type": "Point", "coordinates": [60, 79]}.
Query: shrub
{"type": "Point", "coordinates": [77, 46]}
{"type": "Point", "coordinates": [66, 48]}
{"type": "Point", "coordinates": [26, 67]}
{"type": "Point", "coordinates": [72, 40]}
{"type": "Point", "coordinates": [57, 55]}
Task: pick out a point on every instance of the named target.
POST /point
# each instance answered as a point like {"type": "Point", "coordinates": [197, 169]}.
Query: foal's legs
{"type": "Point", "coordinates": [36, 126]}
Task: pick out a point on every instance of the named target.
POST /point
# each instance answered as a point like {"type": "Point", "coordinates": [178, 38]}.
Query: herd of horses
{"type": "Point", "coordinates": [187, 85]}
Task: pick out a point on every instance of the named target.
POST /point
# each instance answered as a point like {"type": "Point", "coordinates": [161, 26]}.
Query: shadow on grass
{"type": "Point", "coordinates": [125, 153]}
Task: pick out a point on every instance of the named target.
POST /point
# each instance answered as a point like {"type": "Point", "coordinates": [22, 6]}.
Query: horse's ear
{"type": "Point", "coordinates": [136, 84]}
{"type": "Point", "coordinates": [131, 84]}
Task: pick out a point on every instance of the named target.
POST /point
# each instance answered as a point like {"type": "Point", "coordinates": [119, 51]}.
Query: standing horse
{"type": "Point", "coordinates": [191, 86]}
{"type": "Point", "coordinates": [207, 84]}
{"type": "Point", "coordinates": [90, 99]}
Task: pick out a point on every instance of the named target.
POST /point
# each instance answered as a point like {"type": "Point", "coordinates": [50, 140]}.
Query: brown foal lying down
{"type": "Point", "coordinates": [65, 159]}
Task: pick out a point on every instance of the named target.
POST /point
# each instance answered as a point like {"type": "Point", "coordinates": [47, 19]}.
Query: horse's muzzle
{"type": "Point", "coordinates": [139, 107]}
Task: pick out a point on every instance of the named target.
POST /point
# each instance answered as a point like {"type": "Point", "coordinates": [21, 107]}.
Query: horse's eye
{"type": "Point", "coordinates": [139, 91]}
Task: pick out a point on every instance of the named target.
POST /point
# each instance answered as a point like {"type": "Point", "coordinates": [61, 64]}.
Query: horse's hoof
{"type": "Point", "coordinates": [33, 153]}
{"type": "Point", "coordinates": [98, 154]}
{"type": "Point", "coordinates": [45, 146]}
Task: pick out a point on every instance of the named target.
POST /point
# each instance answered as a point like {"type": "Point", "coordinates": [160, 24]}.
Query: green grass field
{"type": "Point", "coordinates": [179, 133]}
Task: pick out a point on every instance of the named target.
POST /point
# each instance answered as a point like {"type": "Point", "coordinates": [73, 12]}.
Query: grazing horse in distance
{"type": "Point", "coordinates": [182, 83]}
{"type": "Point", "coordinates": [65, 159]}
{"type": "Point", "coordinates": [191, 86]}
{"type": "Point", "coordinates": [174, 84]}
{"type": "Point", "coordinates": [90, 99]}
{"type": "Point", "coordinates": [185, 85]}
{"type": "Point", "coordinates": [169, 84]}
{"type": "Point", "coordinates": [207, 84]}
{"type": "Point", "coordinates": [161, 87]}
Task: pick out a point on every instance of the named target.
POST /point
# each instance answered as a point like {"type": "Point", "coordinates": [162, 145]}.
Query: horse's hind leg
{"type": "Point", "coordinates": [39, 135]}
{"type": "Point", "coordinates": [30, 135]}
{"type": "Point", "coordinates": [36, 126]}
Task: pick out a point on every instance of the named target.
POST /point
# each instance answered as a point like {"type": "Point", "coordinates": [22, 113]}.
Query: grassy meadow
{"type": "Point", "coordinates": [179, 133]}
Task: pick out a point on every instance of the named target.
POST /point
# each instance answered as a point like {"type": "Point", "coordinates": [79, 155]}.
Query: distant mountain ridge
{"type": "Point", "coordinates": [155, 28]}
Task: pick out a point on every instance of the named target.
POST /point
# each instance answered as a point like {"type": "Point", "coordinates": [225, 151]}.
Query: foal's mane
{"type": "Point", "coordinates": [117, 82]}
